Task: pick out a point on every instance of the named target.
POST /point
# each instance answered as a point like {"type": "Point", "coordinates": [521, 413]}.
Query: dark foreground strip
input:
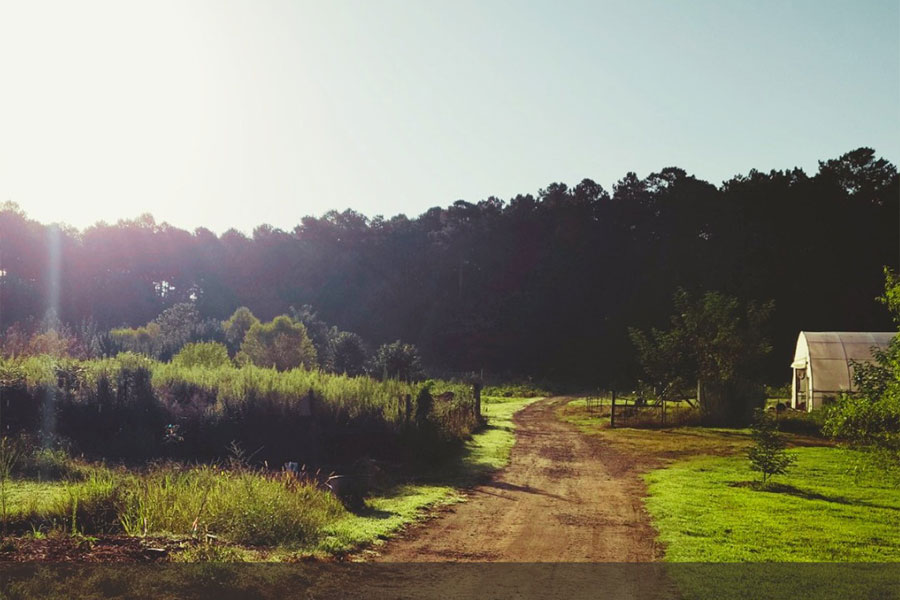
{"type": "Point", "coordinates": [450, 581]}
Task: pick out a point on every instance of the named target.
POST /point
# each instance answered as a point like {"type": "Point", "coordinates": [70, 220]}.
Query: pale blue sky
{"type": "Point", "coordinates": [231, 114]}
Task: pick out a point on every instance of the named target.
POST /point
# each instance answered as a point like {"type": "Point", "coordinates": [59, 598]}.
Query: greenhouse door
{"type": "Point", "coordinates": [801, 384]}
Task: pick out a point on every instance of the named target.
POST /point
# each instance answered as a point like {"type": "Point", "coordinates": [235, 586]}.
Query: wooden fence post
{"type": "Point", "coordinates": [612, 410]}
{"type": "Point", "coordinates": [476, 388]}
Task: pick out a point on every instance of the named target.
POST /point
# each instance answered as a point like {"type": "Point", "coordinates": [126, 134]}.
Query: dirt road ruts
{"type": "Point", "coordinates": [564, 497]}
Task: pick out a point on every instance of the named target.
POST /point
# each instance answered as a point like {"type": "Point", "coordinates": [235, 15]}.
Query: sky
{"type": "Point", "coordinates": [232, 114]}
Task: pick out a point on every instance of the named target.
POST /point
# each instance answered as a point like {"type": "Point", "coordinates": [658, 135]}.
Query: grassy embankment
{"type": "Point", "coordinates": [281, 519]}
{"type": "Point", "coordinates": [703, 500]}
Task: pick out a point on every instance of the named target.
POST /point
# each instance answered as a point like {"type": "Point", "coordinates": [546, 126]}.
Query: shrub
{"type": "Point", "coordinates": [281, 344]}
{"type": "Point", "coordinates": [202, 354]}
{"type": "Point", "coordinates": [236, 328]}
{"type": "Point", "coordinates": [870, 418]}
{"type": "Point", "coordinates": [349, 354]}
{"type": "Point", "coordinates": [397, 361]}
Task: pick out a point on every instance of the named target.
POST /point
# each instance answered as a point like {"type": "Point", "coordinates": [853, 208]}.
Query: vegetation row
{"type": "Point", "coordinates": [134, 408]}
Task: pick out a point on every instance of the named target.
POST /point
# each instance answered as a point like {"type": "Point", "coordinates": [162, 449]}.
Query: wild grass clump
{"type": "Point", "coordinates": [242, 506]}
{"type": "Point", "coordinates": [91, 506]}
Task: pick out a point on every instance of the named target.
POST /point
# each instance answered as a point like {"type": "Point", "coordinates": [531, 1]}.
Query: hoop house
{"type": "Point", "coordinates": [823, 363]}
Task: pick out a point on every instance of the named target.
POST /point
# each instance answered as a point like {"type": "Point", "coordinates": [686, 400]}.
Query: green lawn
{"type": "Point", "coordinates": [705, 511]}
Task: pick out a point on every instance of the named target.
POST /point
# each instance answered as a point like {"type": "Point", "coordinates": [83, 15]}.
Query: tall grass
{"type": "Point", "coordinates": [242, 506]}
{"type": "Point", "coordinates": [134, 408]}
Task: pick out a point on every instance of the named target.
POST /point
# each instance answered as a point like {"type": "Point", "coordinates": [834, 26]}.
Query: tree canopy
{"type": "Point", "coordinates": [542, 284]}
{"type": "Point", "coordinates": [281, 343]}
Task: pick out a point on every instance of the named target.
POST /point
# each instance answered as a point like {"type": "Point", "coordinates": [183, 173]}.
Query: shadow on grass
{"type": "Point", "coordinates": [790, 490]}
{"type": "Point", "coordinates": [373, 513]}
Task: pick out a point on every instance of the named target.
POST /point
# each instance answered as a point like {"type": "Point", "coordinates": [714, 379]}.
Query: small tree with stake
{"type": "Point", "coordinates": [768, 455]}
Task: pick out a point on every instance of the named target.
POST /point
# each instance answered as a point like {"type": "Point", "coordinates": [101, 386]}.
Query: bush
{"type": "Point", "coordinates": [397, 361]}
{"type": "Point", "coordinates": [870, 418]}
{"type": "Point", "coordinates": [202, 354]}
{"type": "Point", "coordinates": [281, 344]}
{"type": "Point", "coordinates": [349, 354]}
{"type": "Point", "coordinates": [801, 422]}
{"type": "Point", "coordinates": [236, 328]}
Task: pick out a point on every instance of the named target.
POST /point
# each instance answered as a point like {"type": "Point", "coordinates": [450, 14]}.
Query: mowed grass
{"type": "Point", "coordinates": [706, 511]}
{"type": "Point", "coordinates": [487, 450]}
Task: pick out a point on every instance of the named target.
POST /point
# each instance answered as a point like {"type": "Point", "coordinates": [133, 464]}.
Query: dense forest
{"type": "Point", "coordinates": [542, 285]}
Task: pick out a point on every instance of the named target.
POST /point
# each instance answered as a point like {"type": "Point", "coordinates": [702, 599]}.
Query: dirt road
{"type": "Point", "coordinates": [564, 497]}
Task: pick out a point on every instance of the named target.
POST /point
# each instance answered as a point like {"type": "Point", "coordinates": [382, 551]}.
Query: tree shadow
{"type": "Point", "coordinates": [511, 487]}
{"type": "Point", "coordinates": [790, 490]}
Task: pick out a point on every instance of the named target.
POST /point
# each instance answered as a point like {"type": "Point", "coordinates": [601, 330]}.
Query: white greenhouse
{"type": "Point", "coordinates": [823, 363]}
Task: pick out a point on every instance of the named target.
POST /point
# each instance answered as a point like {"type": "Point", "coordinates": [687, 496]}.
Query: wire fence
{"type": "Point", "coordinates": [636, 411]}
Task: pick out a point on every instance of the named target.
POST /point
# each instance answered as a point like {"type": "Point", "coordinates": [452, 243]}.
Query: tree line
{"type": "Point", "coordinates": [544, 284]}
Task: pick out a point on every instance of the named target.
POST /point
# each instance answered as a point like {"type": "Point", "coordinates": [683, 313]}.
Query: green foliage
{"type": "Point", "coordinates": [397, 361]}
{"type": "Point", "coordinates": [715, 340]}
{"type": "Point", "coordinates": [145, 340]}
{"type": "Point", "coordinates": [236, 327]}
{"type": "Point", "coordinates": [350, 354]}
{"type": "Point", "coordinates": [870, 417]}
{"type": "Point", "coordinates": [202, 354]}
{"type": "Point", "coordinates": [779, 392]}
{"type": "Point", "coordinates": [126, 407]}
{"type": "Point", "coordinates": [163, 337]}
{"type": "Point", "coordinates": [9, 455]}
{"type": "Point", "coordinates": [891, 297]}
{"type": "Point", "coordinates": [768, 455]}
{"type": "Point", "coordinates": [48, 464]}
{"type": "Point", "coordinates": [802, 422]}
{"type": "Point", "coordinates": [243, 506]}
{"type": "Point", "coordinates": [524, 389]}
{"type": "Point", "coordinates": [320, 334]}
{"type": "Point", "coordinates": [281, 344]}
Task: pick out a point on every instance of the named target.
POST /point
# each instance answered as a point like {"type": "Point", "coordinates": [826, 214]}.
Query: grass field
{"type": "Point", "coordinates": [820, 511]}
